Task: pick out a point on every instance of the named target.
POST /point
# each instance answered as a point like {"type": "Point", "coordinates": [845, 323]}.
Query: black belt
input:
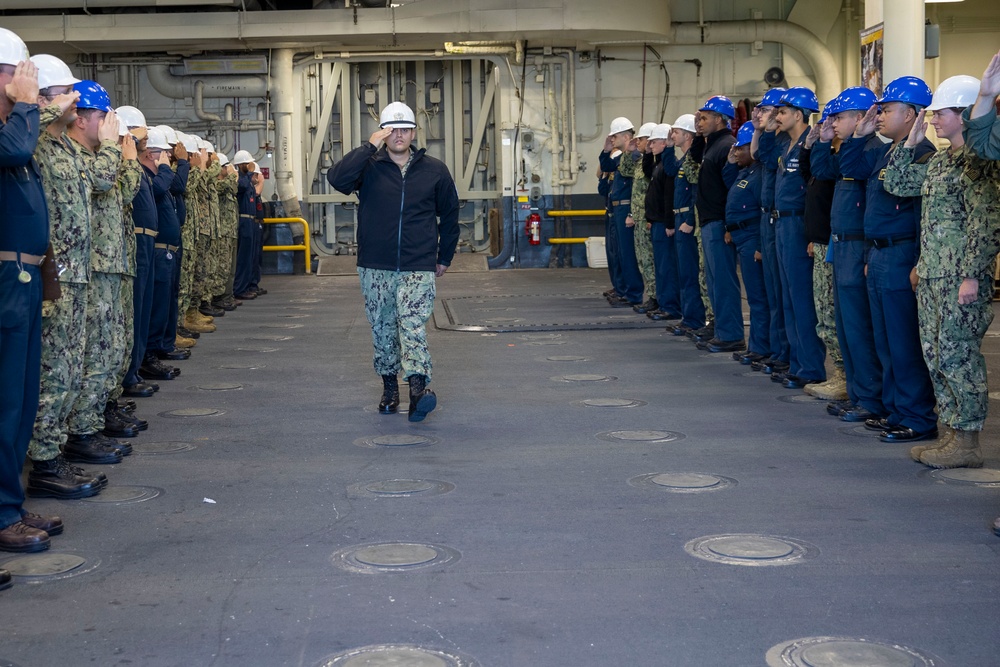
{"type": "Point", "coordinates": [787, 214]}
{"type": "Point", "coordinates": [891, 241]}
{"type": "Point", "coordinates": [732, 227]}
{"type": "Point", "coordinates": [847, 237]}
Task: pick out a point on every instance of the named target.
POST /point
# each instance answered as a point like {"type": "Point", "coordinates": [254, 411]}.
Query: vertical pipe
{"type": "Point", "coordinates": [903, 50]}
{"type": "Point", "coordinates": [284, 155]}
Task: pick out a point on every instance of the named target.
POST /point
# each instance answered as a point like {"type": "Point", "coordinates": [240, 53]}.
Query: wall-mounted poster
{"type": "Point", "coordinates": [871, 58]}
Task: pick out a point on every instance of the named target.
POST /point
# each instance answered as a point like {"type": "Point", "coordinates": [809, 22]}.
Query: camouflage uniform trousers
{"type": "Point", "coordinates": [189, 262]}
{"type": "Point", "coordinates": [702, 282]}
{"type": "Point", "coordinates": [201, 289]}
{"type": "Point", "coordinates": [398, 305]}
{"type": "Point", "coordinates": [64, 336]}
{"type": "Point", "coordinates": [826, 320]}
{"type": "Point", "coordinates": [127, 299]}
{"type": "Point", "coordinates": [644, 255]}
{"type": "Point", "coordinates": [103, 351]}
{"type": "Point", "coordinates": [227, 270]}
{"type": "Point", "coordinates": [951, 335]}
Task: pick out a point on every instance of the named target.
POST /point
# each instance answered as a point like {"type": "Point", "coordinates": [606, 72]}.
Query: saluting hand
{"type": "Point", "coordinates": [379, 136]}
{"type": "Point", "coordinates": [826, 132]}
{"type": "Point", "coordinates": [989, 87]}
{"type": "Point", "coordinates": [866, 126]}
{"type": "Point", "coordinates": [918, 131]}
{"type": "Point", "coordinates": [65, 101]}
{"type": "Point", "coordinates": [23, 87]}
{"type": "Point", "coordinates": [180, 153]}
{"type": "Point", "coordinates": [108, 129]}
{"type": "Point", "coordinates": [129, 151]}
{"type": "Point", "coordinates": [608, 144]}
{"type": "Point", "coordinates": [771, 120]}
{"type": "Point", "coordinates": [757, 118]}
{"type": "Point", "coordinates": [164, 159]}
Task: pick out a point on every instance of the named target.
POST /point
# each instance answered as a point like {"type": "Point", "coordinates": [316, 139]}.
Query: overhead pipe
{"type": "Point", "coordinates": [199, 102]}
{"type": "Point", "coordinates": [487, 48]}
{"type": "Point", "coordinates": [812, 48]}
{"type": "Point", "coordinates": [222, 85]}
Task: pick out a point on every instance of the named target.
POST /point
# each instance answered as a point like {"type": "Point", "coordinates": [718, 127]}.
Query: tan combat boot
{"type": "Point", "coordinates": [183, 342]}
{"type": "Point", "coordinates": [945, 436]}
{"type": "Point", "coordinates": [193, 314]}
{"type": "Point", "coordinates": [197, 325]}
{"type": "Point", "coordinates": [834, 389]}
{"type": "Point", "coordinates": [962, 452]}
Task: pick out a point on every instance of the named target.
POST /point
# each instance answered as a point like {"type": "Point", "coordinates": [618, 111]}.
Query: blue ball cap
{"type": "Point", "coordinates": [720, 104]}
{"type": "Point", "coordinates": [92, 96]}
{"type": "Point", "coordinates": [908, 89]}
{"type": "Point", "coordinates": [745, 134]}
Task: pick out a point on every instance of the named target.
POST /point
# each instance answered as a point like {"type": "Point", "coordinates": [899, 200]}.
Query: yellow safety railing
{"type": "Point", "coordinates": [569, 240]}
{"type": "Point", "coordinates": [305, 246]}
{"type": "Point", "coordinates": [595, 213]}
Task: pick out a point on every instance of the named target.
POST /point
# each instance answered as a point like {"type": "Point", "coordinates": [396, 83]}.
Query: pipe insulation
{"type": "Point", "coordinates": [819, 57]}
{"type": "Point", "coordinates": [216, 86]}
{"type": "Point", "coordinates": [282, 61]}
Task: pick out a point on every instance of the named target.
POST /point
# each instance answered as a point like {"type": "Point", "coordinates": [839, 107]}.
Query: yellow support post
{"type": "Point", "coordinates": [595, 213]}
{"type": "Point", "coordinates": [305, 247]}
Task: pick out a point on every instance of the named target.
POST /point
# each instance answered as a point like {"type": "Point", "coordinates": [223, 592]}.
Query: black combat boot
{"type": "Point", "coordinates": [57, 479]}
{"type": "Point", "coordinates": [115, 426]}
{"type": "Point", "coordinates": [94, 449]}
{"type": "Point", "coordinates": [422, 399]}
{"type": "Point", "coordinates": [390, 395]}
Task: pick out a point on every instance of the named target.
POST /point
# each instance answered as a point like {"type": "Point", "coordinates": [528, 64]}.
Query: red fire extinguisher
{"type": "Point", "coordinates": [533, 228]}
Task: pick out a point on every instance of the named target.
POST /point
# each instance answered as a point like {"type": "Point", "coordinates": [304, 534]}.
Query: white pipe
{"type": "Point", "coordinates": [825, 68]}
{"type": "Point", "coordinates": [284, 107]}
{"type": "Point", "coordinates": [487, 48]}
{"type": "Point", "coordinates": [199, 102]}
{"type": "Point", "coordinates": [573, 157]}
{"type": "Point", "coordinates": [262, 125]}
{"type": "Point", "coordinates": [228, 136]}
{"type": "Point", "coordinates": [182, 87]}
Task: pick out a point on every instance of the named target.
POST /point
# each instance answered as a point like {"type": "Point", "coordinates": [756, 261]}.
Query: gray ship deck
{"type": "Point", "coordinates": [550, 530]}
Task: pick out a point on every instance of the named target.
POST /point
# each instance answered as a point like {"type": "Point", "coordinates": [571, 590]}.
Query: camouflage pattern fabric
{"type": "Point", "coordinates": [959, 239]}
{"type": "Point", "coordinates": [194, 205]}
{"type": "Point", "coordinates": [631, 167]}
{"type": "Point", "coordinates": [398, 305]}
{"type": "Point", "coordinates": [63, 342]}
{"type": "Point", "coordinates": [128, 314]}
{"type": "Point", "coordinates": [229, 221]}
{"type": "Point", "coordinates": [128, 185]}
{"type": "Point", "coordinates": [826, 319]}
{"type": "Point", "coordinates": [104, 348]}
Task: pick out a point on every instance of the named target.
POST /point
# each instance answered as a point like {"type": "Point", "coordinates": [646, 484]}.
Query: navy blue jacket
{"type": "Point", "coordinates": [24, 222]}
{"type": "Point", "coordinates": [621, 186]}
{"type": "Point", "coordinates": [398, 218]}
{"type": "Point", "coordinates": [789, 180]}
{"type": "Point", "coordinates": [168, 227]}
{"type": "Point", "coordinates": [847, 211]}
{"type": "Point", "coordinates": [712, 186]}
{"type": "Point", "coordinates": [743, 202]}
{"type": "Point", "coordinates": [178, 187]}
{"type": "Point", "coordinates": [144, 204]}
{"type": "Point", "coordinates": [886, 215]}
{"type": "Point", "coordinates": [246, 196]}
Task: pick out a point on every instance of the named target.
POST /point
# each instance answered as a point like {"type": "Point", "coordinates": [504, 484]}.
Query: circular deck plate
{"type": "Point", "coordinates": [802, 398]}
{"type": "Point", "coordinates": [191, 412]}
{"type": "Point", "coordinates": [217, 386]}
{"type": "Point", "coordinates": [583, 377]}
{"type": "Point", "coordinates": [124, 495]}
{"type": "Point", "coordinates": [682, 482]}
{"type": "Point", "coordinates": [49, 566]}
{"type": "Point", "coordinates": [400, 488]}
{"type": "Point", "coordinates": [846, 652]}
{"type": "Point", "coordinates": [393, 557]}
{"type": "Point", "coordinates": [256, 349]}
{"type": "Point", "coordinates": [752, 550]}
{"type": "Point", "coordinates": [271, 339]}
{"type": "Point", "coordinates": [296, 316]}
{"type": "Point", "coordinates": [566, 357]}
{"type": "Point", "coordinates": [304, 300]}
{"type": "Point", "coordinates": [548, 336]}
{"type": "Point", "coordinates": [396, 440]}
{"type": "Point", "coordinates": [281, 326]}
{"type": "Point", "coordinates": [858, 430]}
{"type": "Point", "coordinates": [241, 367]}
{"type": "Point", "coordinates": [610, 403]}
{"type": "Point", "coordinates": [161, 447]}
{"type": "Point", "coordinates": [298, 308]}
{"type": "Point", "coordinates": [539, 343]}
{"type": "Point", "coordinates": [985, 477]}
{"type": "Point", "coordinates": [645, 436]}
{"type": "Point", "coordinates": [396, 655]}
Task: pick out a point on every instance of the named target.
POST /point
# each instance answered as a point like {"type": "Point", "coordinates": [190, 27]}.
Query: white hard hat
{"type": "Point", "coordinates": [122, 127]}
{"type": "Point", "coordinates": [52, 72]}
{"type": "Point", "coordinates": [202, 144]}
{"type": "Point", "coordinates": [157, 140]}
{"type": "Point", "coordinates": [169, 133]}
{"type": "Point", "coordinates": [620, 124]}
{"type": "Point", "coordinates": [189, 141]}
{"type": "Point", "coordinates": [645, 129]}
{"type": "Point", "coordinates": [223, 160]}
{"type": "Point", "coordinates": [956, 92]}
{"type": "Point", "coordinates": [256, 169]}
{"type": "Point", "coordinates": [661, 131]}
{"type": "Point", "coordinates": [685, 122]}
{"type": "Point", "coordinates": [12, 48]}
{"type": "Point", "coordinates": [242, 157]}
{"type": "Point", "coordinates": [397, 114]}
{"type": "Point", "coordinates": [132, 116]}
{"type": "Point", "coordinates": [209, 147]}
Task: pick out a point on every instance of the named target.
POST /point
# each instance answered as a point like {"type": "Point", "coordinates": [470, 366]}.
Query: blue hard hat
{"type": "Point", "coordinates": [745, 135]}
{"type": "Point", "coordinates": [92, 96]}
{"type": "Point", "coordinates": [855, 98]}
{"type": "Point", "coordinates": [720, 104]}
{"type": "Point", "coordinates": [772, 97]}
{"type": "Point", "coordinates": [907, 89]}
{"type": "Point", "coordinates": [829, 109]}
{"type": "Point", "coordinates": [800, 98]}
